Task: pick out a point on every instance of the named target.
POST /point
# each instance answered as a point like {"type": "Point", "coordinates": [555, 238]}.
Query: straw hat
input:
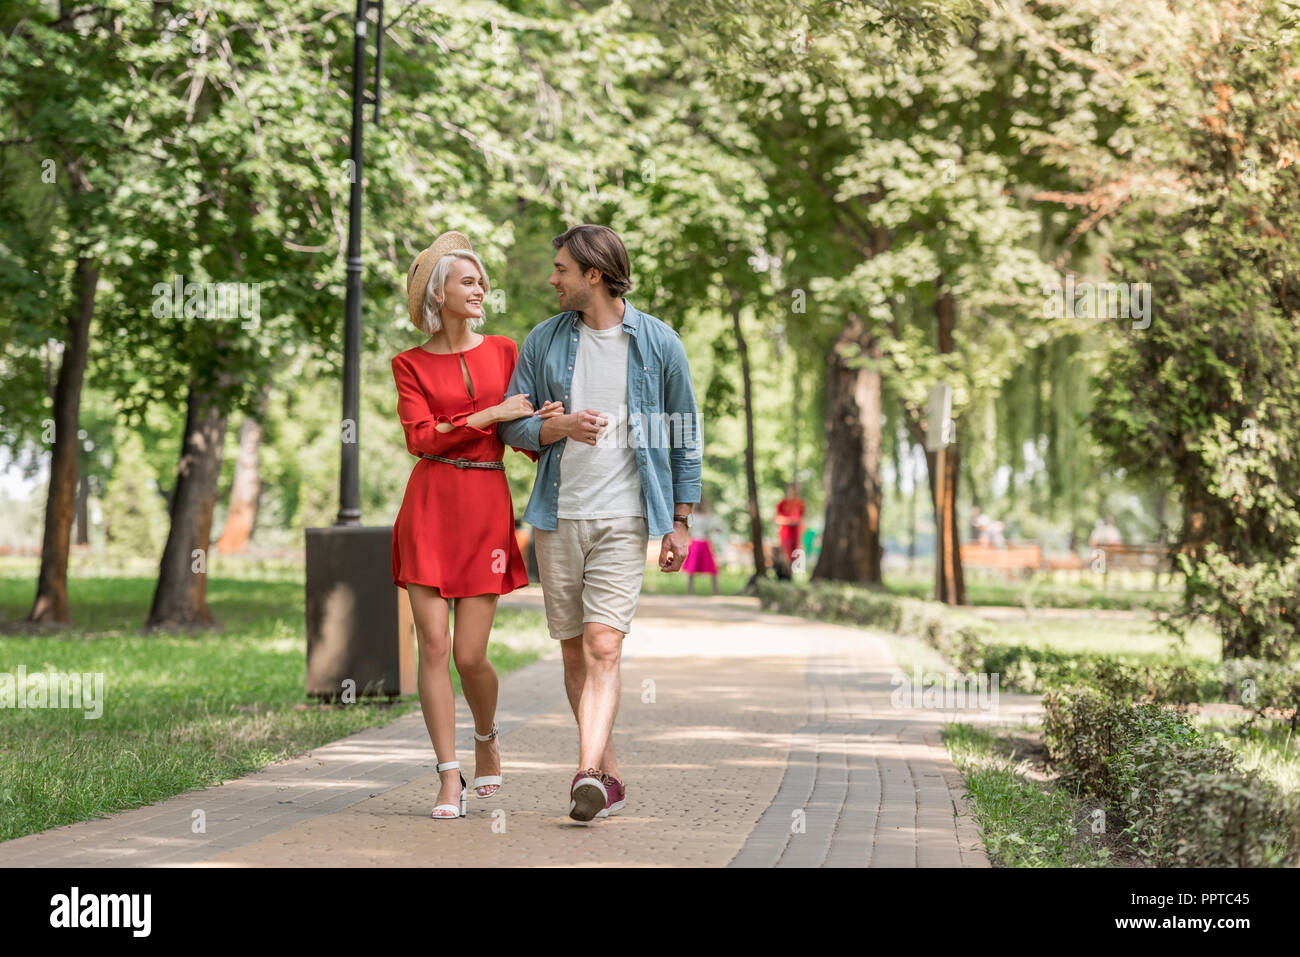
{"type": "Point", "coordinates": [417, 277]}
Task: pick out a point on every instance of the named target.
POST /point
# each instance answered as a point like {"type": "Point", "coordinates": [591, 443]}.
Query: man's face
{"type": "Point", "coordinates": [571, 287]}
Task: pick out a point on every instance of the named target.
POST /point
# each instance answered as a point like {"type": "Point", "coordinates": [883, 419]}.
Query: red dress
{"type": "Point", "coordinates": [456, 528]}
{"type": "Point", "coordinates": [790, 508]}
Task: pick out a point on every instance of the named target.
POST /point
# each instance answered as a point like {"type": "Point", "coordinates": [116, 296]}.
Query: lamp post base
{"type": "Point", "coordinates": [360, 634]}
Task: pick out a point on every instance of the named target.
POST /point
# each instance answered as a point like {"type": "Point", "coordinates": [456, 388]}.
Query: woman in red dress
{"type": "Point", "coordinates": [454, 537]}
{"type": "Point", "coordinates": [789, 519]}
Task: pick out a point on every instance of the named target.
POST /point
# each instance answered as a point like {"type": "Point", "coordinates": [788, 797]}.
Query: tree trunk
{"type": "Point", "coordinates": [1201, 522]}
{"type": "Point", "coordinates": [51, 604]}
{"type": "Point", "coordinates": [83, 511]}
{"type": "Point", "coordinates": [246, 487]}
{"type": "Point", "coordinates": [1161, 531]}
{"type": "Point", "coordinates": [911, 511]}
{"type": "Point", "coordinates": [949, 585]}
{"type": "Point", "coordinates": [751, 480]}
{"type": "Point", "coordinates": [851, 540]}
{"type": "Point", "coordinates": [180, 598]}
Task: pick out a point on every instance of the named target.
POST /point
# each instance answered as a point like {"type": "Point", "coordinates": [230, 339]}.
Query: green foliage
{"type": "Point", "coordinates": [1180, 800]}
{"type": "Point", "coordinates": [1207, 397]}
{"type": "Point", "coordinates": [1252, 603]}
{"type": "Point", "coordinates": [135, 514]}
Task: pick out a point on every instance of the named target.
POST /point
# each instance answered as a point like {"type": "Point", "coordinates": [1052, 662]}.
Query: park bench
{"type": "Point", "coordinates": [1136, 557]}
{"type": "Point", "coordinates": [1016, 559]}
{"type": "Point", "coordinates": [1065, 562]}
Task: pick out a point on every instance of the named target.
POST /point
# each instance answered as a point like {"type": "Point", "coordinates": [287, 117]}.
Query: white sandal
{"type": "Point", "coordinates": [455, 812]}
{"type": "Point", "coordinates": [487, 779]}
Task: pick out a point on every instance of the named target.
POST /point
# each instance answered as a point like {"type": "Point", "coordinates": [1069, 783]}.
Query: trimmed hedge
{"type": "Point", "coordinates": [1181, 800]}
{"type": "Point", "coordinates": [965, 640]}
{"type": "Point", "coordinates": [958, 636]}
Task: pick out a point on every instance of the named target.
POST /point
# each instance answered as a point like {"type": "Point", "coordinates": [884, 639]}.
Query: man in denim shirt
{"type": "Point", "coordinates": [621, 467]}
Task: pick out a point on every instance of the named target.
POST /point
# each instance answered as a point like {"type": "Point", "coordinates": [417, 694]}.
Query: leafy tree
{"type": "Point", "coordinates": [1209, 394]}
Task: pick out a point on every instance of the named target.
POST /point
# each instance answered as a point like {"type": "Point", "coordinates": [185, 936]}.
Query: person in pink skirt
{"type": "Point", "coordinates": [699, 557]}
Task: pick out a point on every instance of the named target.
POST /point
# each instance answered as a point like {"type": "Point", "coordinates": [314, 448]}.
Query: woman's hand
{"type": "Point", "coordinates": [550, 410]}
{"type": "Point", "coordinates": [514, 407]}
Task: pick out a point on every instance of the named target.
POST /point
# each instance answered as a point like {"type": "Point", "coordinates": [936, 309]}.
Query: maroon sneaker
{"type": "Point", "coordinates": [587, 795]}
{"type": "Point", "coordinates": [617, 797]}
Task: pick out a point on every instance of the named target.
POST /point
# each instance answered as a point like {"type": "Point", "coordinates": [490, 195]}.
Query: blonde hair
{"type": "Point", "coordinates": [431, 311]}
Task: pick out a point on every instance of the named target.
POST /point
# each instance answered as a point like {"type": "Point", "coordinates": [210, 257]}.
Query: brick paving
{"type": "Point", "coordinates": [745, 740]}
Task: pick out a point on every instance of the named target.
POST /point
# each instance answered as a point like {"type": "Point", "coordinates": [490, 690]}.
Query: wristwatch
{"type": "Point", "coordinates": [684, 519]}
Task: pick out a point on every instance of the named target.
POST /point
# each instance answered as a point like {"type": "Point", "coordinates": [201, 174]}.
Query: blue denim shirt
{"type": "Point", "coordinates": [663, 422]}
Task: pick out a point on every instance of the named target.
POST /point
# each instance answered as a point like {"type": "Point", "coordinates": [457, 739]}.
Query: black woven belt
{"type": "Point", "coordinates": [465, 463]}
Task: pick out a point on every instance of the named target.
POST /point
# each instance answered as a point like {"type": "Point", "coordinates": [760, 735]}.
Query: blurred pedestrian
{"type": "Point", "coordinates": [705, 527]}
{"type": "Point", "coordinates": [789, 520]}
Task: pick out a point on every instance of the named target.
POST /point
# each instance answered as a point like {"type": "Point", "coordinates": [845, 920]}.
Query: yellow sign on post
{"type": "Point", "coordinates": [938, 426]}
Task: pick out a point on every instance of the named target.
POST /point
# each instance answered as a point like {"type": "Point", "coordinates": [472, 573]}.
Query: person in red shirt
{"type": "Point", "coordinates": [789, 520]}
{"type": "Point", "coordinates": [454, 538]}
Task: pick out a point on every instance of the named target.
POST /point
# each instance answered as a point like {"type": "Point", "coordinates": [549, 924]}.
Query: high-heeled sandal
{"type": "Point", "coordinates": [487, 779]}
{"type": "Point", "coordinates": [464, 804]}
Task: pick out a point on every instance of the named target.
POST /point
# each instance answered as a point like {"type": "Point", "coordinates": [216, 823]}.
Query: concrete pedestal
{"type": "Point", "coordinates": [359, 624]}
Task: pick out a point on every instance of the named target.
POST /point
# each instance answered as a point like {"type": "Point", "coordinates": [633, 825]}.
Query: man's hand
{"type": "Point", "coordinates": [584, 426]}
{"type": "Point", "coordinates": [673, 549]}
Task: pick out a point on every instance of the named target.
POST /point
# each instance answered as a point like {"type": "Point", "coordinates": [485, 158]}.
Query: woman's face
{"type": "Point", "coordinates": [462, 296]}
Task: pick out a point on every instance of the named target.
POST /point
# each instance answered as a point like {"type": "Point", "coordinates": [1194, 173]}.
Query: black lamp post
{"type": "Point", "coordinates": [350, 464]}
{"type": "Point", "coordinates": [356, 617]}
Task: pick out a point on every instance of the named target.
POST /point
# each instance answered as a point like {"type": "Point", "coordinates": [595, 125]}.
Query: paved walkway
{"type": "Point", "coordinates": [746, 740]}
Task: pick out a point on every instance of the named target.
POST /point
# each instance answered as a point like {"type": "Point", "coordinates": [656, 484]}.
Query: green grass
{"type": "Point", "coordinates": [1024, 823]}
{"type": "Point", "coordinates": [1271, 748]}
{"type": "Point", "coordinates": [1037, 593]}
{"type": "Point", "coordinates": [1138, 641]}
{"type": "Point", "coordinates": [181, 711]}
{"type": "Point", "coordinates": [1042, 593]}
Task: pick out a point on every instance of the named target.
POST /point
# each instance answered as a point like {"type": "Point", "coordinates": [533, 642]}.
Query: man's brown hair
{"type": "Point", "coordinates": [598, 247]}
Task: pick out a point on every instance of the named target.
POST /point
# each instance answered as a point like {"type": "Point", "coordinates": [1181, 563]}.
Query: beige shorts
{"type": "Point", "coordinates": [591, 570]}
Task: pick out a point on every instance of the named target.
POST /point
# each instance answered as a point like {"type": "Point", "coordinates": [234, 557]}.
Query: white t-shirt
{"type": "Point", "coordinates": [601, 480]}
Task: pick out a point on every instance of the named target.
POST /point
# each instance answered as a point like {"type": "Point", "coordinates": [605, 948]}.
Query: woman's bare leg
{"type": "Point", "coordinates": [478, 679]}
{"type": "Point", "coordinates": [437, 702]}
